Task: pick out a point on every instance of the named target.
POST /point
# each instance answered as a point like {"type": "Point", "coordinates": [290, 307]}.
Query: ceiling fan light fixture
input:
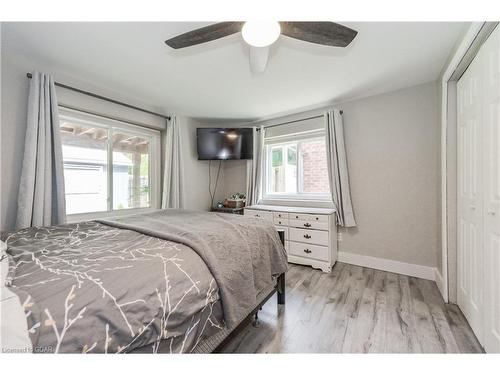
{"type": "Point", "coordinates": [261, 33]}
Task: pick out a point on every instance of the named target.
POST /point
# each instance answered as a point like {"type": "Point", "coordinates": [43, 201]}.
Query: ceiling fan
{"type": "Point", "coordinates": [260, 35]}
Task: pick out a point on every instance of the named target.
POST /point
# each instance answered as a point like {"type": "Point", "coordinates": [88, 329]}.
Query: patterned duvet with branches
{"type": "Point", "coordinates": [89, 287]}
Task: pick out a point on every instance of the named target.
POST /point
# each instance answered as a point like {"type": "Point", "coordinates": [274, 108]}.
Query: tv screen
{"type": "Point", "coordinates": [224, 143]}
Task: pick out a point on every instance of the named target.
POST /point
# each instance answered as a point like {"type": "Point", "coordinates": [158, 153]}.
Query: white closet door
{"type": "Point", "coordinates": [479, 194]}
{"type": "Point", "coordinates": [470, 253]}
{"type": "Point", "coordinates": [491, 167]}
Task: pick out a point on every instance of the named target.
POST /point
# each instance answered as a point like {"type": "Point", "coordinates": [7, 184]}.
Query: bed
{"type": "Point", "coordinates": [168, 281]}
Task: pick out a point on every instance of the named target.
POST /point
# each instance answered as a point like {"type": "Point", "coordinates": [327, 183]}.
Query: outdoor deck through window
{"type": "Point", "coordinates": [106, 168]}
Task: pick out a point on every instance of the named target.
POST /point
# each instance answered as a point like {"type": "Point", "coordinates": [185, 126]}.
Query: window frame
{"type": "Point", "coordinates": [110, 125]}
{"type": "Point", "coordinates": [284, 140]}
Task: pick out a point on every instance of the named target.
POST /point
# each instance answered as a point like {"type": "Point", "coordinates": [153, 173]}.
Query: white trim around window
{"type": "Point", "coordinates": [284, 140]}
{"type": "Point", "coordinates": [153, 136]}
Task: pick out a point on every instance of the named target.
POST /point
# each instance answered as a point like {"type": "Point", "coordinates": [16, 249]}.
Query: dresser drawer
{"type": "Point", "coordinates": [259, 213]}
{"type": "Point", "coordinates": [280, 215]}
{"type": "Point", "coordinates": [309, 251]}
{"type": "Point", "coordinates": [308, 224]}
{"type": "Point", "coordinates": [310, 218]}
{"type": "Point", "coordinates": [280, 221]}
{"type": "Point", "coordinates": [315, 237]}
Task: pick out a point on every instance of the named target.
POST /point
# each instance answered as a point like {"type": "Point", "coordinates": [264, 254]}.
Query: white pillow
{"type": "Point", "coordinates": [14, 336]}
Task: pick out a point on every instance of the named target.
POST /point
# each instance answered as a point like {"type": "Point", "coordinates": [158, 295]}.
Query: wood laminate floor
{"type": "Point", "coordinates": [357, 310]}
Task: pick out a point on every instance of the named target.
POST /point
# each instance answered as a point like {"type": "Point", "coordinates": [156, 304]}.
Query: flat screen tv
{"type": "Point", "coordinates": [224, 143]}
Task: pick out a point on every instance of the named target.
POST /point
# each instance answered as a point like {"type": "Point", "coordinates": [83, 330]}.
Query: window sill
{"type": "Point", "coordinates": [75, 218]}
{"type": "Point", "coordinates": [317, 203]}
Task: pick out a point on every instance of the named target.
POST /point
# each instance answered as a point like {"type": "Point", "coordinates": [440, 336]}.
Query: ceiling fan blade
{"type": "Point", "coordinates": [325, 33]}
{"type": "Point", "coordinates": [204, 34]}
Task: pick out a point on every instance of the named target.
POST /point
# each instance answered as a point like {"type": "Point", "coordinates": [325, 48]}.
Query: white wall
{"type": "Point", "coordinates": [392, 145]}
{"type": "Point", "coordinates": [234, 178]}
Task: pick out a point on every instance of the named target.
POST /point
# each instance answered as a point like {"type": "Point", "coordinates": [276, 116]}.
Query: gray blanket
{"type": "Point", "coordinates": [242, 253]}
{"type": "Point", "coordinates": [88, 287]}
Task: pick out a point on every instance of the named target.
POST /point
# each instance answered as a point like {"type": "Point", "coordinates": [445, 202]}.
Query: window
{"type": "Point", "coordinates": [296, 167]}
{"type": "Point", "coordinates": [108, 165]}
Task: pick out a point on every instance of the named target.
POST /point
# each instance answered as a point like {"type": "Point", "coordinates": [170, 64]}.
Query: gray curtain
{"type": "Point", "coordinates": [337, 168]}
{"type": "Point", "coordinates": [173, 174]}
{"type": "Point", "coordinates": [41, 200]}
{"type": "Point", "coordinates": [255, 168]}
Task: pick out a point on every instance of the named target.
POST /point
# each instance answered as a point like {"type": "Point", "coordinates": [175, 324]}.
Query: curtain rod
{"type": "Point", "coordinates": [292, 121]}
{"type": "Point", "coordinates": [29, 75]}
{"type": "Point", "coordinates": [65, 106]}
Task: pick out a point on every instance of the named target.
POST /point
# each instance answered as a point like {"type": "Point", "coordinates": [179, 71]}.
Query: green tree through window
{"type": "Point", "coordinates": [277, 157]}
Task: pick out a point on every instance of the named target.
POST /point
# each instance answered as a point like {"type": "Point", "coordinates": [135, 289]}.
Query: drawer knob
{"type": "Point", "coordinates": [307, 225]}
{"type": "Point", "coordinates": [296, 217]}
{"type": "Point", "coordinates": [307, 236]}
{"type": "Point", "coordinates": [279, 222]}
{"type": "Point", "coordinates": [317, 218]}
{"type": "Point", "coordinates": [307, 251]}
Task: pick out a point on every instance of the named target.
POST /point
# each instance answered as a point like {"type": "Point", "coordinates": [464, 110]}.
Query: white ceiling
{"type": "Point", "coordinates": [214, 80]}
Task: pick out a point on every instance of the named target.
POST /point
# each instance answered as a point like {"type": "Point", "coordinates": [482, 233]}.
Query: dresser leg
{"type": "Point", "coordinates": [327, 269]}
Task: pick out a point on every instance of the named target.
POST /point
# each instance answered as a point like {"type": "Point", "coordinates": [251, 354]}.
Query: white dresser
{"type": "Point", "coordinates": [310, 233]}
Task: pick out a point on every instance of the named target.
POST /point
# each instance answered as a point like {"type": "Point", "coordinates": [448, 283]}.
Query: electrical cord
{"type": "Point", "coordinates": [210, 181]}
{"type": "Point", "coordinates": [212, 195]}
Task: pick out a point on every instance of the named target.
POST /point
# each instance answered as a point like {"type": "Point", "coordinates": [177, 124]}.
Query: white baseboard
{"type": "Point", "coordinates": [440, 283]}
{"type": "Point", "coordinates": [408, 269]}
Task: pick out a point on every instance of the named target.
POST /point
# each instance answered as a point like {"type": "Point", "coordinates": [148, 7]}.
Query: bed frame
{"type": "Point", "coordinates": [215, 344]}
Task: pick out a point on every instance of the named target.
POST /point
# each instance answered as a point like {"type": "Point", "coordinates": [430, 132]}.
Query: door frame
{"type": "Point", "coordinates": [458, 62]}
